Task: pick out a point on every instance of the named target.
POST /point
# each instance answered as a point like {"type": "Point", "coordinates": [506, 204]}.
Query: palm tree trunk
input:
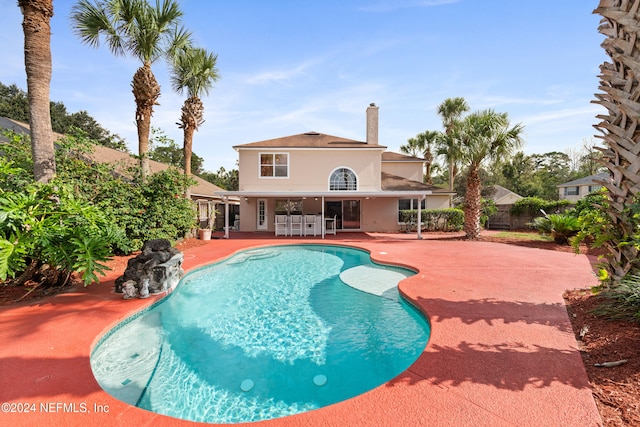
{"type": "Point", "coordinates": [472, 204]}
{"type": "Point", "coordinates": [37, 58]}
{"type": "Point", "coordinates": [188, 149]}
{"type": "Point", "coordinates": [146, 92]}
{"type": "Point", "coordinates": [620, 83]}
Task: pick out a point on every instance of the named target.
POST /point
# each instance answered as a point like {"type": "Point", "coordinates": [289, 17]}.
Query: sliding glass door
{"type": "Point", "coordinates": [347, 213]}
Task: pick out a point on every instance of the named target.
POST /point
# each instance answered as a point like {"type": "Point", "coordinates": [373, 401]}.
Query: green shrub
{"type": "Point", "coordinates": [542, 224]}
{"type": "Point", "coordinates": [136, 210]}
{"type": "Point", "coordinates": [436, 219]}
{"type": "Point", "coordinates": [46, 228]}
{"type": "Point", "coordinates": [534, 206]}
{"type": "Point", "coordinates": [622, 302]}
{"type": "Point", "coordinates": [561, 226]}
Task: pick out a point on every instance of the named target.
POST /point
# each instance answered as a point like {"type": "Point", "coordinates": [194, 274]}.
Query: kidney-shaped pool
{"type": "Point", "coordinates": [267, 333]}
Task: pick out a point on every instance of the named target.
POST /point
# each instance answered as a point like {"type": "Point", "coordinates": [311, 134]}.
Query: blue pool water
{"type": "Point", "coordinates": [267, 333]}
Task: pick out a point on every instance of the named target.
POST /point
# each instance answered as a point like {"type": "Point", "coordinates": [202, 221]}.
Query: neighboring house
{"type": "Point", "coordinates": [203, 192]}
{"type": "Point", "coordinates": [578, 188]}
{"type": "Point", "coordinates": [356, 182]}
{"type": "Point", "coordinates": [503, 196]}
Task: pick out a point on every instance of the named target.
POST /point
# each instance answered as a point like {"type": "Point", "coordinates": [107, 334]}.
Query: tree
{"type": "Point", "coordinates": [451, 110]}
{"type": "Point", "coordinates": [223, 178]}
{"type": "Point", "coordinates": [194, 70]}
{"type": "Point", "coordinates": [620, 82]}
{"type": "Point", "coordinates": [14, 105]}
{"type": "Point", "coordinates": [422, 145]}
{"type": "Point", "coordinates": [146, 32]}
{"type": "Point", "coordinates": [36, 26]}
{"type": "Point", "coordinates": [165, 150]}
{"type": "Point", "coordinates": [482, 135]}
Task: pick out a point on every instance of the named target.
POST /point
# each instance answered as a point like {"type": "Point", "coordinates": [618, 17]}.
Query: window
{"type": "Point", "coordinates": [571, 191]}
{"type": "Point", "coordinates": [343, 179]}
{"type": "Point", "coordinates": [288, 206]}
{"type": "Point", "coordinates": [274, 165]}
{"type": "Point", "coordinates": [408, 205]}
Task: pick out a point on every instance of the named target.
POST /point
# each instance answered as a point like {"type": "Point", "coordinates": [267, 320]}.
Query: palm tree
{"type": "Point", "coordinates": [412, 148]}
{"type": "Point", "coordinates": [147, 33]}
{"type": "Point", "coordinates": [483, 135]}
{"type": "Point", "coordinates": [428, 139]}
{"type": "Point", "coordinates": [194, 69]}
{"type": "Point", "coordinates": [36, 26]}
{"type": "Point", "coordinates": [421, 145]}
{"type": "Point", "coordinates": [619, 80]}
{"type": "Point", "coordinates": [451, 110]}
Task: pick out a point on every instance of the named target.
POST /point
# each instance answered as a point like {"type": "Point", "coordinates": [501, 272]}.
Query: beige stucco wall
{"type": "Point", "coordinates": [584, 190]}
{"type": "Point", "coordinates": [437, 202]}
{"type": "Point", "coordinates": [409, 170]}
{"type": "Point", "coordinates": [309, 170]}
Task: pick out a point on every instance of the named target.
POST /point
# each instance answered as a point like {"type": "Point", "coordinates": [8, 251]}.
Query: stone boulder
{"type": "Point", "coordinates": [156, 269]}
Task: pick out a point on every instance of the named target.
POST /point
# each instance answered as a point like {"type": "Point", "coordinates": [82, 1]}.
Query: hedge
{"type": "Point", "coordinates": [435, 219]}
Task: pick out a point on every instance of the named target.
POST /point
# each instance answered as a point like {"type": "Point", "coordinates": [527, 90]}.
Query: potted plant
{"type": "Point", "coordinates": [204, 233]}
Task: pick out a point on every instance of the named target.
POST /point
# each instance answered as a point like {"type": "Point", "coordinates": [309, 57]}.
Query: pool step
{"type": "Point", "coordinates": [374, 280]}
{"type": "Point", "coordinates": [252, 256]}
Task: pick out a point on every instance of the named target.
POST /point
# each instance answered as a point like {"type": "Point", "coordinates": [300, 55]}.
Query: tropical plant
{"type": "Point", "coordinates": [146, 32]}
{"type": "Point", "coordinates": [37, 59]}
{"type": "Point", "coordinates": [451, 111]}
{"type": "Point", "coordinates": [46, 231]}
{"type": "Point", "coordinates": [483, 135]}
{"type": "Point", "coordinates": [561, 226]}
{"type": "Point", "coordinates": [137, 210]}
{"type": "Point", "coordinates": [194, 70]}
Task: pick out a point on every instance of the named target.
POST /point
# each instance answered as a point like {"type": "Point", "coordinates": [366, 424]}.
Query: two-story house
{"type": "Point", "coordinates": [578, 188]}
{"type": "Point", "coordinates": [357, 185]}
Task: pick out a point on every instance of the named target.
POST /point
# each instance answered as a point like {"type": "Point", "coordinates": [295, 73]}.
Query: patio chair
{"type": "Point", "coordinates": [310, 225]}
{"type": "Point", "coordinates": [281, 225]}
{"type": "Point", "coordinates": [330, 225]}
{"type": "Point", "coordinates": [296, 225]}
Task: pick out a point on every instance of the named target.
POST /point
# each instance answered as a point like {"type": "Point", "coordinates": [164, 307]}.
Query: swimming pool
{"type": "Point", "coordinates": [267, 333]}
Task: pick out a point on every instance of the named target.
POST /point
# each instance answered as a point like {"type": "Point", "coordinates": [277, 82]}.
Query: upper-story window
{"type": "Point", "coordinates": [274, 165]}
{"type": "Point", "coordinates": [343, 179]}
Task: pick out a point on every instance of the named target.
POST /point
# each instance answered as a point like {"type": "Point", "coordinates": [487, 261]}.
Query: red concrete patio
{"type": "Point", "coordinates": [501, 352]}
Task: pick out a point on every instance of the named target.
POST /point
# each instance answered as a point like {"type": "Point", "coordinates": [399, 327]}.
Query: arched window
{"type": "Point", "coordinates": [343, 179]}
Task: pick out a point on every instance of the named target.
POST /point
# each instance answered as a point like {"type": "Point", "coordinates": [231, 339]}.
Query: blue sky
{"type": "Point", "coordinates": [290, 66]}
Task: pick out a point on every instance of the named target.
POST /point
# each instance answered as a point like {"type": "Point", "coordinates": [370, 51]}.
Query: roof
{"type": "Point", "coordinates": [310, 140]}
{"type": "Point", "coordinates": [397, 183]}
{"type": "Point", "coordinates": [389, 156]}
{"type": "Point", "coordinates": [587, 180]}
{"type": "Point", "coordinates": [502, 192]}
{"type": "Point", "coordinates": [121, 159]}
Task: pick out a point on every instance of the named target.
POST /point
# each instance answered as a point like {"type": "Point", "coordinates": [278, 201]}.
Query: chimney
{"type": "Point", "coordinates": [372, 124]}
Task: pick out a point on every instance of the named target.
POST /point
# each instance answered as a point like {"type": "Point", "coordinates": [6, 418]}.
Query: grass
{"type": "Point", "coordinates": [522, 235]}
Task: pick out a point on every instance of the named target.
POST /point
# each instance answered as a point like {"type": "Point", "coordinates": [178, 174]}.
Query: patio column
{"type": "Point", "coordinates": [322, 223]}
{"type": "Point", "coordinates": [420, 199]}
{"type": "Point", "coordinates": [226, 217]}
